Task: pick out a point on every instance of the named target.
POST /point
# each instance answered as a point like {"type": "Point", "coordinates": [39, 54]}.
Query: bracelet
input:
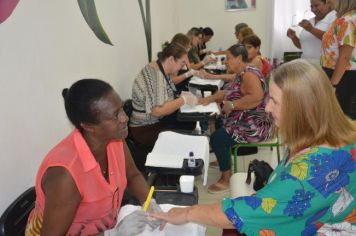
{"type": "Point", "coordinates": [232, 106]}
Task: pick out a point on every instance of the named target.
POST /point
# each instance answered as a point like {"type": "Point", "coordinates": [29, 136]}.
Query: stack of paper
{"type": "Point", "coordinates": [210, 108]}
{"type": "Point", "coordinates": [172, 148]}
{"type": "Point", "coordinates": [164, 160]}
{"type": "Point", "coordinates": [199, 81]}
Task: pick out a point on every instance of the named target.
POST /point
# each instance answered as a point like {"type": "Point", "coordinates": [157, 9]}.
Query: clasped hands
{"type": "Point", "coordinates": [305, 24]}
{"type": "Point", "coordinates": [193, 100]}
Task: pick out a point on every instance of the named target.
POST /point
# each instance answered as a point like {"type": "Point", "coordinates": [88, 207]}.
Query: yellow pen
{"type": "Point", "coordinates": [148, 200]}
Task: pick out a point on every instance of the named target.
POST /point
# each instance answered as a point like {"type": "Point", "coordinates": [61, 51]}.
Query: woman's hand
{"type": "Point", "coordinates": [130, 225]}
{"type": "Point", "coordinates": [206, 75]}
{"type": "Point", "coordinates": [291, 33]}
{"type": "Point", "coordinates": [305, 24]}
{"type": "Point", "coordinates": [203, 101]}
{"type": "Point", "coordinates": [209, 59]}
{"type": "Point", "coordinates": [227, 107]}
{"type": "Point", "coordinates": [176, 216]}
{"type": "Point", "coordinates": [189, 98]}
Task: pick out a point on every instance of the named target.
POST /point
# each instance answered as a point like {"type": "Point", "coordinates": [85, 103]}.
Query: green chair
{"type": "Point", "coordinates": [290, 56]}
{"type": "Point", "coordinates": [274, 142]}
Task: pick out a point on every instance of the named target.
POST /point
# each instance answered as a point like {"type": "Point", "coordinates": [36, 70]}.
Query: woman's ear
{"type": "Point", "coordinates": [171, 59]}
{"type": "Point", "coordinates": [239, 59]}
{"type": "Point", "coordinates": [89, 128]}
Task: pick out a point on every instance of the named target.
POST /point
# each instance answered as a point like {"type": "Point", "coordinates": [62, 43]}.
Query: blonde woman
{"type": "Point", "coordinates": [312, 190]}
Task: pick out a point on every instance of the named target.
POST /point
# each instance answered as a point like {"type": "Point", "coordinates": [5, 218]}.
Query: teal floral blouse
{"type": "Point", "coordinates": [313, 195]}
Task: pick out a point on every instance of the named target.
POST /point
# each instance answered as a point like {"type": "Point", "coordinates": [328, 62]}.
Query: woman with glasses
{"type": "Point", "coordinates": [155, 99]}
{"type": "Point", "coordinates": [181, 80]}
{"type": "Point", "coordinates": [81, 182]}
{"type": "Point", "coordinates": [312, 191]}
{"type": "Point", "coordinates": [243, 117]}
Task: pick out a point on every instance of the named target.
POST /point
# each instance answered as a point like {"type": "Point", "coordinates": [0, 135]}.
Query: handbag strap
{"type": "Point", "coordinates": [175, 94]}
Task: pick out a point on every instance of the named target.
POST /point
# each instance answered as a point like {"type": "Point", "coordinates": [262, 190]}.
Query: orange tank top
{"type": "Point", "coordinates": [100, 199]}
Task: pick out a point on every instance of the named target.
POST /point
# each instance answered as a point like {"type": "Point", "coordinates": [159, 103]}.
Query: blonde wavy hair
{"type": "Point", "coordinates": [344, 6]}
{"type": "Point", "coordinates": [310, 112]}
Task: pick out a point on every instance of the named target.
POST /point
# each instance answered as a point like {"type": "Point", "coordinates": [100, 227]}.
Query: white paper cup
{"type": "Point", "coordinates": [186, 183]}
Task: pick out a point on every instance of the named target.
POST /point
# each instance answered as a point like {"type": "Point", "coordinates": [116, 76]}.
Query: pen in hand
{"type": "Point", "coordinates": [148, 200]}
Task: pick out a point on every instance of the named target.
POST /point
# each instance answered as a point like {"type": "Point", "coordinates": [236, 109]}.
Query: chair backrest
{"type": "Point", "coordinates": [128, 107]}
{"type": "Point", "coordinates": [289, 56]}
{"type": "Point", "coordinates": [13, 221]}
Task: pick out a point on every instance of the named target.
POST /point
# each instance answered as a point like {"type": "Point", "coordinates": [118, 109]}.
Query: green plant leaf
{"type": "Point", "coordinates": [90, 15]}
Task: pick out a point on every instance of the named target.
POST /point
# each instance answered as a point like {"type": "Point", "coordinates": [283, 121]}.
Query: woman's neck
{"type": "Point", "coordinates": [317, 19]}
{"type": "Point", "coordinates": [240, 69]}
{"type": "Point", "coordinates": [165, 67]}
{"type": "Point", "coordinates": [97, 148]}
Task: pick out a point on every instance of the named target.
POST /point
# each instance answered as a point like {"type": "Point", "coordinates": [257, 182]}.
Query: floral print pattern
{"type": "Point", "coordinates": [330, 171]}
{"type": "Point", "coordinates": [299, 203]}
{"type": "Point", "coordinates": [247, 126]}
{"type": "Point", "coordinates": [341, 32]}
{"type": "Point", "coordinates": [313, 195]}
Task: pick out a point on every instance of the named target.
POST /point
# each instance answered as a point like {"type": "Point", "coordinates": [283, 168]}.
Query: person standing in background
{"type": "Point", "coordinates": [310, 38]}
{"type": "Point", "coordinates": [338, 57]}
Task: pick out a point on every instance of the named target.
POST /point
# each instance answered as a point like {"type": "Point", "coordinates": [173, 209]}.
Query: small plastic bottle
{"type": "Point", "coordinates": [197, 129]}
{"type": "Point", "coordinates": [191, 160]}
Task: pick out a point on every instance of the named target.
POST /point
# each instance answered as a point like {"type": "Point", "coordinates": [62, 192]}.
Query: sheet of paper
{"type": "Point", "coordinates": [215, 66]}
{"type": "Point", "coordinates": [211, 107]}
{"type": "Point", "coordinates": [189, 229]}
{"type": "Point", "coordinates": [199, 81]}
{"type": "Point", "coordinates": [179, 145]}
{"type": "Point", "coordinates": [164, 160]}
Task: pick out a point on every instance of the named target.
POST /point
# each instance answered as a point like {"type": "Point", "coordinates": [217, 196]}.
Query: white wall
{"type": "Point", "coordinates": [203, 13]}
{"type": "Point", "coordinates": [45, 46]}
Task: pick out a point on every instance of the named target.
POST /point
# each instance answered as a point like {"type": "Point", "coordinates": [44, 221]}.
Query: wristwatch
{"type": "Point", "coordinates": [232, 106]}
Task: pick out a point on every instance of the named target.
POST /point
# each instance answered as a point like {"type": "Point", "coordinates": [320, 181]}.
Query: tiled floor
{"type": "Point", "coordinates": [213, 174]}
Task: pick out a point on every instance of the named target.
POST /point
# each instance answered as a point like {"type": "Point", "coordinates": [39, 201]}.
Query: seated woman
{"type": "Point", "coordinates": [195, 35]}
{"type": "Point", "coordinates": [312, 191]}
{"type": "Point", "coordinates": [181, 80]}
{"type": "Point", "coordinates": [207, 35]}
{"type": "Point", "coordinates": [243, 33]}
{"type": "Point", "coordinates": [244, 118]}
{"type": "Point", "coordinates": [253, 45]}
{"type": "Point", "coordinates": [155, 99]}
{"type": "Point", "coordinates": [81, 182]}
